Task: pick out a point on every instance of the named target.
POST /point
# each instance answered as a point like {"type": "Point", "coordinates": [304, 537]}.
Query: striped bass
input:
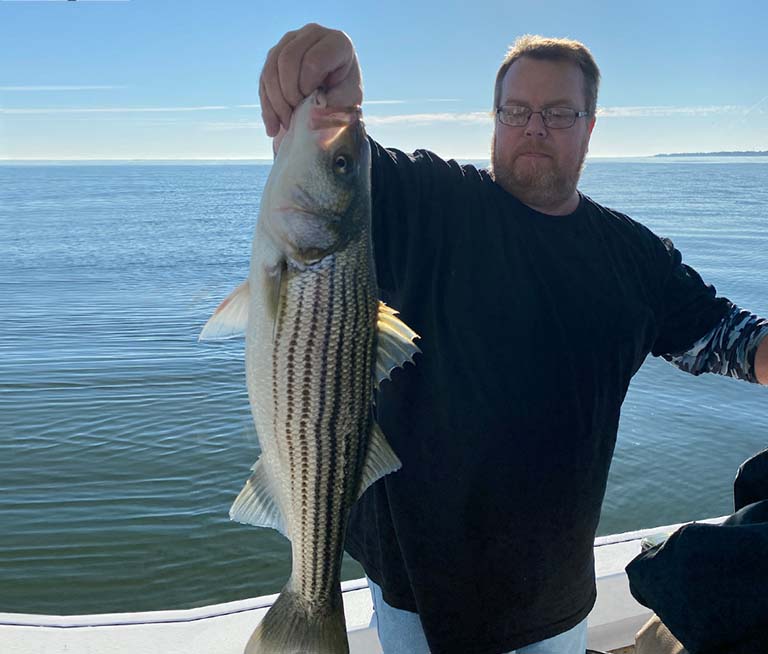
{"type": "Point", "coordinates": [318, 342]}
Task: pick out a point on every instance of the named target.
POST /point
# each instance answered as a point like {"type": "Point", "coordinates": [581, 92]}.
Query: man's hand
{"type": "Point", "coordinates": [302, 61]}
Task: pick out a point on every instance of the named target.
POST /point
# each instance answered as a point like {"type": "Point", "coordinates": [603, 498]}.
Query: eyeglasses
{"type": "Point", "coordinates": [554, 117]}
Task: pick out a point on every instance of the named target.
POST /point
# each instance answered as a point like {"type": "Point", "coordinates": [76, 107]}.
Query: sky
{"type": "Point", "coordinates": [178, 79]}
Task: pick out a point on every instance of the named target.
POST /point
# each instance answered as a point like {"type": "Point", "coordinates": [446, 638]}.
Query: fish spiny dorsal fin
{"type": "Point", "coordinates": [230, 318]}
{"type": "Point", "coordinates": [395, 343]}
{"type": "Point", "coordinates": [379, 461]}
{"type": "Point", "coordinates": [256, 504]}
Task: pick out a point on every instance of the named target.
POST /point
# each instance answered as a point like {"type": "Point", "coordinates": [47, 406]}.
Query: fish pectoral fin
{"type": "Point", "coordinates": [231, 316]}
{"type": "Point", "coordinates": [395, 343]}
{"type": "Point", "coordinates": [275, 280]}
{"type": "Point", "coordinates": [256, 504]}
{"type": "Point", "coordinates": [380, 460]}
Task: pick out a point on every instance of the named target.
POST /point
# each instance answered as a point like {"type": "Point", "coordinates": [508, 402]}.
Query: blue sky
{"type": "Point", "coordinates": [155, 79]}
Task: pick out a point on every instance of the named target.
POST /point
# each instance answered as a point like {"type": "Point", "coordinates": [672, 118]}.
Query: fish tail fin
{"type": "Point", "coordinates": [294, 626]}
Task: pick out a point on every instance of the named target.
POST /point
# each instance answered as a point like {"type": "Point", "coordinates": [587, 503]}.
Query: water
{"type": "Point", "coordinates": [123, 440]}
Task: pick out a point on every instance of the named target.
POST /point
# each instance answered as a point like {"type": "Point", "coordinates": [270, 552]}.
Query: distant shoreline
{"type": "Point", "coordinates": [732, 153]}
{"type": "Point", "coordinates": [261, 162]}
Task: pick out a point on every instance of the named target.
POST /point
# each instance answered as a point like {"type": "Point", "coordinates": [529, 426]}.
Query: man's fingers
{"type": "Point", "coordinates": [302, 61]}
{"type": "Point", "coordinates": [328, 63]}
{"type": "Point", "coordinates": [268, 114]}
{"type": "Point", "coordinates": [274, 93]}
{"type": "Point", "coordinates": [289, 62]}
{"type": "Point", "coordinates": [272, 101]}
{"type": "Point", "coordinates": [346, 87]}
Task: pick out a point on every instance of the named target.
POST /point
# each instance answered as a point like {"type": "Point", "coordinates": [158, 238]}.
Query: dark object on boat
{"type": "Point", "coordinates": [708, 583]}
{"type": "Point", "coordinates": [751, 483]}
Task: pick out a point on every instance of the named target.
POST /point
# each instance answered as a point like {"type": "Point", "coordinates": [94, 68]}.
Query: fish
{"type": "Point", "coordinates": [318, 342]}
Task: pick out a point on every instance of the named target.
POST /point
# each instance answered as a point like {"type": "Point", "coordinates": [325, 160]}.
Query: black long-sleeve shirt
{"type": "Point", "coordinates": [532, 327]}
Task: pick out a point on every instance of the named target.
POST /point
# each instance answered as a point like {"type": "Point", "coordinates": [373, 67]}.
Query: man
{"type": "Point", "coordinates": [536, 306]}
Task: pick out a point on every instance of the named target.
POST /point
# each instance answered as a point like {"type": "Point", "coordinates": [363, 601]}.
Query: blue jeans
{"type": "Point", "coordinates": [400, 632]}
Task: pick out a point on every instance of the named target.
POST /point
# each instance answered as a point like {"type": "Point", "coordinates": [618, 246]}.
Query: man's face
{"type": "Point", "coordinates": [539, 165]}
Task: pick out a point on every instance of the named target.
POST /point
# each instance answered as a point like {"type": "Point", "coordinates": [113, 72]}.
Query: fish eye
{"type": "Point", "coordinates": [342, 164]}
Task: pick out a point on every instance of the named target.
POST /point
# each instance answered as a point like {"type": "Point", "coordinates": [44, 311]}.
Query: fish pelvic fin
{"type": "Point", "coordinates": [230, 318]}
{"type": "Point", "coordinates": [257, 504]}
{"type": "Point", "coordinates": [395, 343]}
{"type": "Point", "coordinates": [379, 461]}
{"type": "Point", "coordinates": [295, 626]}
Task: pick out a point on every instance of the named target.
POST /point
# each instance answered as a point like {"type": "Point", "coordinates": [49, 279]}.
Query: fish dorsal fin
{"type": "Point", "coordinates": [256, 504]}
{"type": "Point", "coordinates": [395, 343]}
{"type": "Point", "coordinates": [231, 316]}
{"type": "Point", "coordinates": [380, 460]}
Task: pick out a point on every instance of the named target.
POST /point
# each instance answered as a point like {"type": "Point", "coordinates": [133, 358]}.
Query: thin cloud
{"type": "Point", "coordinates": [248, 106]}
{"type": "Point", "coordinates": [109, 110]}
{"type": "Point", "coordinates": [662, 111]}
{"type": "Point", "coordinates": [427, 119]}
{"type": "Point", "coordinates": [368, 102]}
{"type": "Point", "coordinates": [224, 126]}
{"type": "Point", "coordinates": [80, 87]}
{"type": "Point", "coordinates": [756, 106]}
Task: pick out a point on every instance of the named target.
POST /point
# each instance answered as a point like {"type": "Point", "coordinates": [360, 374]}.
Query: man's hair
{"type": "Point", "coordinates": [550, 49]}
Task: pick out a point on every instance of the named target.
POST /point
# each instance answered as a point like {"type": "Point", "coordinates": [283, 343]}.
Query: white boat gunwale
{"type": "Point", "coordinates": [224, 628]}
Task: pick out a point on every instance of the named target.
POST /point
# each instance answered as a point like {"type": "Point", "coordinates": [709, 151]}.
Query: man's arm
{"type": "Point", "coordinates": [736, 347]}
{"type": "Point", "coordinates": [761, 362]}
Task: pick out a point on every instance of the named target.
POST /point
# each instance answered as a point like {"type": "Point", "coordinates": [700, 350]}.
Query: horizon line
{"type": "Point", "coordinates": [486, 157]}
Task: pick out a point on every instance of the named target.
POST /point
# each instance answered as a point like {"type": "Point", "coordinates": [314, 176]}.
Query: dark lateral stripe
{"type": "Point", "coordinates": [276, 395]}
{"type": "Point", "coordinates": [305, 432]}
{"type": "Point", "coordinates": [315, 326]}
{"type": "Point", "coordinates": [353, 395]}
{"type": "Point", "coordinates": [320, 431]}
{"type": "Point", "coordinates": [291, 387]}
{"type": "Point", "coordinates": [329, 535]}
{"type": "Point", "coordinates": [353, 445]}
{"type": "Point", "coordinates": [306, 417]}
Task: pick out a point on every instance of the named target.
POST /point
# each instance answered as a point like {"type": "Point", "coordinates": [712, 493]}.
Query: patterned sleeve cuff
{"type": "Point", "coordinates": [728, 349]}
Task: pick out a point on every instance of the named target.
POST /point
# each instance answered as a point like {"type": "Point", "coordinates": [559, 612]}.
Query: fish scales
{"type": "Point", "coordinates": [328, 421]}
{"type": "Point", "coordinates": [317, 343]}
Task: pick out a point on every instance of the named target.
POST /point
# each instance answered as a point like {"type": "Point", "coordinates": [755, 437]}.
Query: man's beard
{"type": "Point", "coordinates": [543, 185]}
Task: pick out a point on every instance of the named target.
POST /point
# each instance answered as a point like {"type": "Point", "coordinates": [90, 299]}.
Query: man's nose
{"type": "Point", "coordinates": [535, 126]}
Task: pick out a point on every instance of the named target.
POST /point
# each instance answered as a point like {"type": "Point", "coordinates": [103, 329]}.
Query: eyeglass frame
{"type": "Point", "coordinates": [576, 114]}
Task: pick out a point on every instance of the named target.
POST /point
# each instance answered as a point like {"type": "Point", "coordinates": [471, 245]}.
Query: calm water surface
{"type": "Point", "coordinates": [123, 440]}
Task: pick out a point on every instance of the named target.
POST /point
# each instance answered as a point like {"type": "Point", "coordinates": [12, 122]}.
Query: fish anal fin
{"type": "Point", "coordinates": [231, 317]}
{"type": "Point", "coordinates": [395, 343]}
{"type": "Point", "coordinates": [256, 504]}
{"type": "Point", "coordinates": [380, 460]}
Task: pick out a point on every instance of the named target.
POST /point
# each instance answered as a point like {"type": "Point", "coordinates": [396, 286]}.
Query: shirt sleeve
{"type": "Point", "coordinates": [729, 348]}
{"type": "Point", "coordinates": [687, 308]}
